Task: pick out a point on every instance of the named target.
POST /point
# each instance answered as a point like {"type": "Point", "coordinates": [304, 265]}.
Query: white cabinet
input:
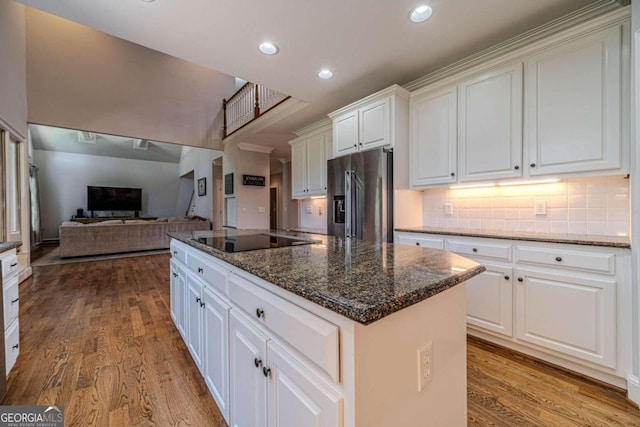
{"type": "Point", "coordinates": [248, 389]}
{"type": "Point", "coordinates": [490, 125]}
{"type": "Point", "coordinates": [296, 396]}
{"type": "Point", "coordinates": [573, 98]}
{"type": "Point", "coordinates": [433, 121]}
{"type": "Point", "coordinates": [270, 383]}
{"type": "Point", "coordinates": [490, 299]}
{"type": "Point", "coordinates": [567, 304]}
{"type": "Point", "coordinates": [570, 314]}
{"type": "Point", "coordinates": [194, 319]}
{"type": "Point", "coordinates": [11, 300]}
{"type": "Point", "coordinates": [215, 355]}
{"type": "Point", "coordinates": [370, 122]}
{"type": "Point", "coordinates": [309, 164]}
{"type": "Point", "coordinates": [416, 239]}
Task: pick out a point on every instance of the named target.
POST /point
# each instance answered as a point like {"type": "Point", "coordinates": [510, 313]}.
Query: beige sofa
{"type": "Point", "coordinates": [115, 236]}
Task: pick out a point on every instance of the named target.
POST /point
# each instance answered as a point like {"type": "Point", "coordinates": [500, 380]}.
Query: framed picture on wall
{"type": "Point", "coordinates": [202, 187]}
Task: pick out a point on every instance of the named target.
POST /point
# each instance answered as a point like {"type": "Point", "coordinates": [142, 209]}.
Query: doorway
{"type": "Point", "coordinates": [273, 206]}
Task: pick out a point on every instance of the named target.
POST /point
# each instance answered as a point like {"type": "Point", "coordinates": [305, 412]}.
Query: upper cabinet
{"type": "Point", "coordinates": [490, 125]}
{"type": "Point", "coordinates": [309, 162]}
{"type": "Point", "coordinates": [554, 108]}
{"type": "Point", "coordinates": [573, 105]}
{"type": "Point", "coordinates": [370, 122]}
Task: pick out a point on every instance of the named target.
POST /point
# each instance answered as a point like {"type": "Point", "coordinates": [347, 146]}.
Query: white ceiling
{"type": "Point", "coordinates": [50, 138]}
{"type": "Point", "coordinates": [369, 44]}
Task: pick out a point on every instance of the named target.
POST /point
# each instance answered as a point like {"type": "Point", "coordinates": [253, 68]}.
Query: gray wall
{"type": "Point", "coordinates": [13, 81]}
{"type": "Point", "coordinates": [64, 178]}
{"type": "Point", "coordinates": [81, 78]}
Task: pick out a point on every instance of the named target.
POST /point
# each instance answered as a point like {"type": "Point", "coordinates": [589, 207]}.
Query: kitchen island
{"type": "Point", "coordinates": [340, 332]}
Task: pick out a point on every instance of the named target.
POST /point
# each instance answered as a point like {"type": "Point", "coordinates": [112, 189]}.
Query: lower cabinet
{"type": "Point", "coordinates": [270, 386]}
{"type": "Point", "coordinates": [559, 302]}
{"type": "Point", "coordinates": [195, 319]}
{"type": "Point", "coordinates": [490, 299]}
{"type": "Point", "coordinates": [569, 314]}
{"type": "Point", "coordinates": [178, 288]}
{"type": "Point", "coordinates": [215, 347]}
{"type": "Point", "coordinates": [10, 291]}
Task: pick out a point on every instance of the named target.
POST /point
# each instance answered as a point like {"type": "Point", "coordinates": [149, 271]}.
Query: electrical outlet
{"type": "Point", "coordinates": [448, 209]}
{"type": "Point", "coordinates": [425, 365]}
{"type": "Point", "coordinates": [540, 207]}
{"type": "Point", "coordinates": [261, 209]}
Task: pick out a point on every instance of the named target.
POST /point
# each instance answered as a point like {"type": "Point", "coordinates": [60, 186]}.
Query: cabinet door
{"type": "Point", "coordinates": [317, 165]}
{"type": "Point", "coordinates": [433, 138]}
{"type": "Point", "coordinates": [296, 396]}
{"type": "Point", "coordinates": [248, 387]}
{"type": "Point", "coordinates": [490, 299]}
{"type": "Point", "coordinates": [173, 294]}
{"type": "Point", "coordinates": [375, 120]}
{"type": "Point", "coordinates": [345, 134]}
{"type": "Point", "coordinates": [181, 302]}
{"type": "Point", "coordinates": [573, 105]}
{"type": "Point", "coordinates": [571, 315]}
{"type": "Point", "coordinates": [216, 345]}
{"type": "Point", "coordinates": [490, 125]}
{"type": "Point", "coordinates": [194, 319]}
{"type": "Point", "coordinates": [299, 169]}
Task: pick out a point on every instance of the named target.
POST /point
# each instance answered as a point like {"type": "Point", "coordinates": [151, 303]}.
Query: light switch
{"type": "Point", "coordinates": [448, 208]}
{"type": "Point", "coordinates": [540, 207]}
{"type": "Point", "coordinates": [261, 209]}
{"type": "Point", "coordinates": [309, 209]}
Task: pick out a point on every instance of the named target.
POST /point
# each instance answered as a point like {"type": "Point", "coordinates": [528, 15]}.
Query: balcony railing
{"type": "Point", "coordinates": [247, 104]}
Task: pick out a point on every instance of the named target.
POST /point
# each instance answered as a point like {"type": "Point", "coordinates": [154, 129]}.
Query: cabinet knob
{"type": "Point", "coordinates": [200, 270]}
{"type": "Point", "coordinates": [15, 346]}
{"type": "Point", "coordinates": [259, 313]}
{"type": "Point", "coordinates": [15, 300]}
{"type": "Point", "coordinates": [507, 277]}
{"type": "Point", "coordinates": [257, 362]}
{"type": "Point", "coordinates": [417, 243]}
{"type": "Point", "coordinates": [559, 259]}
{"type": "Point", "coordinates": [520, 279]}
{"type": "Point", "coordinates": [201, 304]}
{"type": "Point", "coordinates": [175, 274]}
{"type": "Point", "coordinates": [475, 249]}
{"type": "Point", "coordinates": [14, 264]}
{"type": "Point", "coordinates": [533, 165]}
{"type": "Point", "coordinates": [453, 174]}
{"type": "Point", "coordinates": [355, 145]}
{"type": "Point", "coordinates": [325, 188]}
{"type": "Point", "coordinates": [266, 371]}
{"type": "Point", "coordinates": [175, 252]}
{"type": "Point", "coordinates": [361, 144]}
{"type": "Point", "coordinates": [516, 167]}
{"type": "Point", "coordinates": [198, 299]}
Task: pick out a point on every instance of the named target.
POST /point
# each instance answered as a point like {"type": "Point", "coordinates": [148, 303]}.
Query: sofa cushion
{"type": "Point", "coordinates": [107, 222]}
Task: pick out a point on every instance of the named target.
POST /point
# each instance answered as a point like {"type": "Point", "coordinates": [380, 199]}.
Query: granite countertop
{"type": "Point", "coordinates": [363, 281]}
{"type": "Point", "coordinates": [574, 239]}
{"type": "Point", "coordinates": [7, 246]}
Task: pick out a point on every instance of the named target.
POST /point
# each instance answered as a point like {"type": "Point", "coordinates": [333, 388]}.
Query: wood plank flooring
{"type": "Point", "coordinates": [97, 338]}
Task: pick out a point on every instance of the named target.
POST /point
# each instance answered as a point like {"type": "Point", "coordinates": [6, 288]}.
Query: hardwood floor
{"type": "Point", "coordinates": [97, 338]}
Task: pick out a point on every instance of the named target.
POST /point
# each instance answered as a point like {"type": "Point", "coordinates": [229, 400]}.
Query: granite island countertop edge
{"type": "Point", "coordinates": [362, 313]}
{"type": "Point", "coordinates": [7, 246]}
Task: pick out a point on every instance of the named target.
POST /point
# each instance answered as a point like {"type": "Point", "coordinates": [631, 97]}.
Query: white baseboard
{"type": "Point", "coordinates": [633, 389]}
{"type": "Point", "coordinates": [24, 274]}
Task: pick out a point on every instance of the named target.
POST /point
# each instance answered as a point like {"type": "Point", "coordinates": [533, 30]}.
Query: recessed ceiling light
{"type": "Point", "coordinates": [268, 48]}
{"type": "Point", "coordinates": [421, 13]}
{"type": "Point", "coordinates": [148, 1]}
{"type": "Point", "coordinates": [325, 74]}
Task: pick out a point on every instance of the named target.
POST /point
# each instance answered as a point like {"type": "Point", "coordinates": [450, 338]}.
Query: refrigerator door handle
{"type": "Point", "coordinates": [348, 205]}
{"type": "Point", "coordinates": [355, 204]}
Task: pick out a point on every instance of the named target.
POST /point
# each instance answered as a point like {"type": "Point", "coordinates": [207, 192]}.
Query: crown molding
{"type": "Point", "coordinates": [244, 146]}
{"type": "Point", "coordinates": [319, 126]}
{"type": "Point", "coordinates": [580, 16]}
{"type": "Point", "coordinates": [393, 90]}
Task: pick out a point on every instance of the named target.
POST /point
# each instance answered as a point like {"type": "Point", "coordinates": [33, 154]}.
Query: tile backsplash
{"type": "Point", "coordinates": [591, 206]}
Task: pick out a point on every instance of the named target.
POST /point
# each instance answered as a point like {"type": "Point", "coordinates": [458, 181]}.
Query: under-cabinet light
{"type": "Point", "coordinates": [463, 186]}
{"type": "Point", "coordinates": [539, 181]}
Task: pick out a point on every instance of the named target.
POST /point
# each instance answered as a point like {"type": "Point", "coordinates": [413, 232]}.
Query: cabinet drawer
{"type": "Point", "coordinates": [209, 271]}
{"type": "Point", "coordinates": [420, 240]}
{"type": "Point", "coordinates": [599, 262]}
{"type": "Point", "coordinates": [178, 252]}
{"type": "Point", "coordinates": [9, 266]}
{"type": "Point", "coordinates": [11, 303]}
{"type": "Point", "coordinates": [11, 345]}
{"type": "Point", "coordinates": [312, 336]}
{"type": "Point", "coordinates": [489, 250]}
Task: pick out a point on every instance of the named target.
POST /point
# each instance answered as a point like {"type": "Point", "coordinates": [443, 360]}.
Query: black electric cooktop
{"type": "Point", "coordinates": [252, 242]}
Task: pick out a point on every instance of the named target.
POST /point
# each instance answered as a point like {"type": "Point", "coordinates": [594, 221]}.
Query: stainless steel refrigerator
{"type": "Point", "coordinates": [360, 196]}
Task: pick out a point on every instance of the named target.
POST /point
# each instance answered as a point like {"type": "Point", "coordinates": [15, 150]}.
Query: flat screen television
{"type": "Point", "coordinates": [114, 199]}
